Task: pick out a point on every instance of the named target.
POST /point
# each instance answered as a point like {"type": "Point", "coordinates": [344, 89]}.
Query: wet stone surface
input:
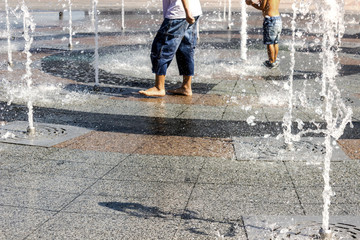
{"type": "Point", "coordinates": [109, 163]}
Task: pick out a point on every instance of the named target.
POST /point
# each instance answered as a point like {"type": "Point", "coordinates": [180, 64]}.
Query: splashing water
{"type": "Point", "coordinates": [91, 13]}
{"type": "Point", "coordinates": [10, 63]}
{"type": "Point", "coordinates": [95, 3]}
{"type": "Point", "coordinates": [244, 35]}
{"type": "Point", "coordinates": [287, 120]}
{"type": "Point", "coordinates": [70, 25]}
{"type": "Point", "coordinates": [329, 15]}
{"type": "Point", "coordinates": [332, 14]}
{"type": "Point", "coordinates": [122, 15]}
{"type": "Point", "coordinates": [225, 3]}
{"type": "Point", "coordinates": [229, 16]}
{"type": "Point", "coordinates": [28, 25]}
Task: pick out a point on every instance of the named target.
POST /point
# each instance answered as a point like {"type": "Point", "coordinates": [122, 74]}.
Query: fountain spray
{"type": "Point", "coordinates": [10, 62]}
{"type": "Point", "coordinates": [96, 87]}
{"type": "Point", "coordinates": [330, 17]}
{"type": "Point", "coordinates": [229, 16]}
{"type": "Point", "coordinates": [225, 9]}
{"type": "Point", "coordinates": [70, 25]}
{"type": "Point", "coordinates": [122, 15]}
{"type": "Point", "coordinates": [28, 25]}
{"type": "Point", "coordinates": [244, 35]}
{"type": "Point", "coordinates": [288, 118]}
{"type": "Point", "coordinates": [332, 14]}
{"type": "Point", "coordinates": [92, 18]}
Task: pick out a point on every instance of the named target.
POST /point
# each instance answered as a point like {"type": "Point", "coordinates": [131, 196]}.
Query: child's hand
{"type": "Point", "coordinates": [248, 2]}
{"type": "Point", "coordinates": [190, 19]}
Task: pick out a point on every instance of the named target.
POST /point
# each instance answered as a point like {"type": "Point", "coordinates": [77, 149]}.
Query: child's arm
{"type": "Point", "coordinates": [260, 5]}
{"type": "Point", "coordinates": [189, 18]}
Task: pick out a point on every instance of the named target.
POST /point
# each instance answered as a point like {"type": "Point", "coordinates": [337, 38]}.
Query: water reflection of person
{"type": "Point", "coordinates": [176, 36]}
{"type": "Point", "coordinates": [272, 27]}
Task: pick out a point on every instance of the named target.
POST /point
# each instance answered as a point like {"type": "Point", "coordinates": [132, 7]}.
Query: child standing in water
{"type": "Point", "coordinates": [176, 36]}
{"type": "Point", "coordinates": [272, 28]}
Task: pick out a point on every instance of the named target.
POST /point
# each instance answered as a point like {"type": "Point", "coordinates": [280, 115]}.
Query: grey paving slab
{"type": "Point", "coordinates": [162, 110]}
{"type": "Point", "coordinates": [335, 209]}
{"type": "Point", "coordinates": [343, 174]}
{"type": "Point", "coordinates": [278, 113]}
{"type": "Point", "coordinates": [313, 195]}
{"type": "Point", "coordinates": [14, 163]}
{"type": "Point", "coordinates": [231, 202]}
{"type": "Point", "coordinates": [164, 207]}
{"type": "Point", "coordinates": [203, 112]}
{"type": "Point", "coordinates": [223, 87]}
{"type": "Point", "coordinates": [216, 193]}
{"type": "Point", "coordinates": [123, 107]}
{"type": "Point", "coordinates": [141, 189]}
{"type": "Point", "coordinates": [89, 157]}
{"type": "Point", "coordinates": [244, 86]}
{"type": "Point", "coordinates": [177, 162]}
{"type": "Point", "coordinates": [17, 223]}
{"type": "Point", "coordinates": [244, 113]}
{"type": "Point", "coordinates": [34, 198]}
{"type": "Point", "coordinates": [45, 182]}
{"type": "Point", "coordinates": [210, 229]}
{"type": "Point", "coordinates": [264, 87]}
{"type": "Point", "coordinates": [47, 134]}
{"type": "Point", "coordinates": [245, 173]}
{"type": "Point", "coordinates": [299, 227]}
{"type": "Point", "coordinates": [158, 174]}
{"type": "Point", "coordinates": [67, 168]}
{"type": "Point", "coordinates": [227, 209]}
{"type": "Point", "coordinates": [270, 148]}
{"type": "Point", "coordinates": [7, 151]}
{"type": "Point", "coordinates": [108, 226]}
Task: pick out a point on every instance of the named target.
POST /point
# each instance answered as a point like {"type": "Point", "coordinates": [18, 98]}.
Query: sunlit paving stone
{"type": "Point", "coordinates": [83, 155]}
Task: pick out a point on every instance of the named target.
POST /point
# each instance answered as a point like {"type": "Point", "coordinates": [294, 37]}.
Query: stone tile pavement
{"type": "Point", "coordinates": [172, 167]}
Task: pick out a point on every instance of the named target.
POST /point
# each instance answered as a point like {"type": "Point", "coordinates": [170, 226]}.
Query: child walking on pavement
{"type": "Point", "coordinates": [272, 28]}
{"type": "Point", "coordinates": [176, 36]}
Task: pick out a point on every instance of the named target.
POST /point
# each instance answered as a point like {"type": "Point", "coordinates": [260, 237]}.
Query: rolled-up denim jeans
{"type": "Point", "coordinates": [175, 36]}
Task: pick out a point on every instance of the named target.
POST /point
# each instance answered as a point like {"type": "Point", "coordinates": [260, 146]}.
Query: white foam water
{"type": "Point", "coordinates": [70, 24]}
{"type": "Point", "coordinates": [8, 35]}
{"type": "Point", "coordinates": [229, 16]}
{"type": "Point", "coordinates": [122, 15]}
{"type": "Point", "coordinates": [41, 94]}
{"type": "Point", "coordinates": [244, 35]}
{"type": "Point", "coordinates": [96, 57]}
{"type": "Point", "coordinates": [29, 27]}
{"type": "Point", "coordinates": [214, 64]}
{"type": "Point", "coordinates": [336, 114]}
{"type": "Point", "coordinates": [328, 21]}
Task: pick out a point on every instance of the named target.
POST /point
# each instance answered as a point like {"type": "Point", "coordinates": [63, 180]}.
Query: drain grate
{"type": "Point", "coordinates": [46, 135]}
{"type": "Point", "coordinates": [300, 227]}
{"type": "Point", "coordinates": [307, 149]}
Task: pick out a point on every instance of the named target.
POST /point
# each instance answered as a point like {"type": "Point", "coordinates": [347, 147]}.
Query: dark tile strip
{"type": "Point", "coordinates": [159, 125]}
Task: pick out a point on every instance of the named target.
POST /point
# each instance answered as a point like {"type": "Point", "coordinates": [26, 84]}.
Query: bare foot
{"type": "Point", "coordinates": [181, 91]}
{"type": "Point", "coordinates": [153, 92]}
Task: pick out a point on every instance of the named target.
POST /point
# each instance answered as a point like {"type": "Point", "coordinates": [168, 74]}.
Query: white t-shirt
{"type": "Point", "coordinates": [174, 9]}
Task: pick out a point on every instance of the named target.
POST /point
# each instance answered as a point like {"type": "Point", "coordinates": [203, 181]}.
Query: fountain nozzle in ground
{"type": "Point", "coordinates": [30, 131]}
{"type": "Point", "coordinates": [96, 88]}
{"type": "Point", "coordinates": [325, 235]}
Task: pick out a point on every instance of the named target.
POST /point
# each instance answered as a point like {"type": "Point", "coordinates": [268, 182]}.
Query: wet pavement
{"type": "Point", "coordinates": [112, 164]}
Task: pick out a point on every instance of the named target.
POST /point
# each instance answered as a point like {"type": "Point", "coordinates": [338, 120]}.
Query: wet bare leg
{"type": "Point", "coordinates": [185, 88]}
{"type": "Point", "coordinates": [276, 47]}
{"type": "Point", "coordinates": [158, 90]}
{"type": "Point", "coordinates": [271, 53]}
